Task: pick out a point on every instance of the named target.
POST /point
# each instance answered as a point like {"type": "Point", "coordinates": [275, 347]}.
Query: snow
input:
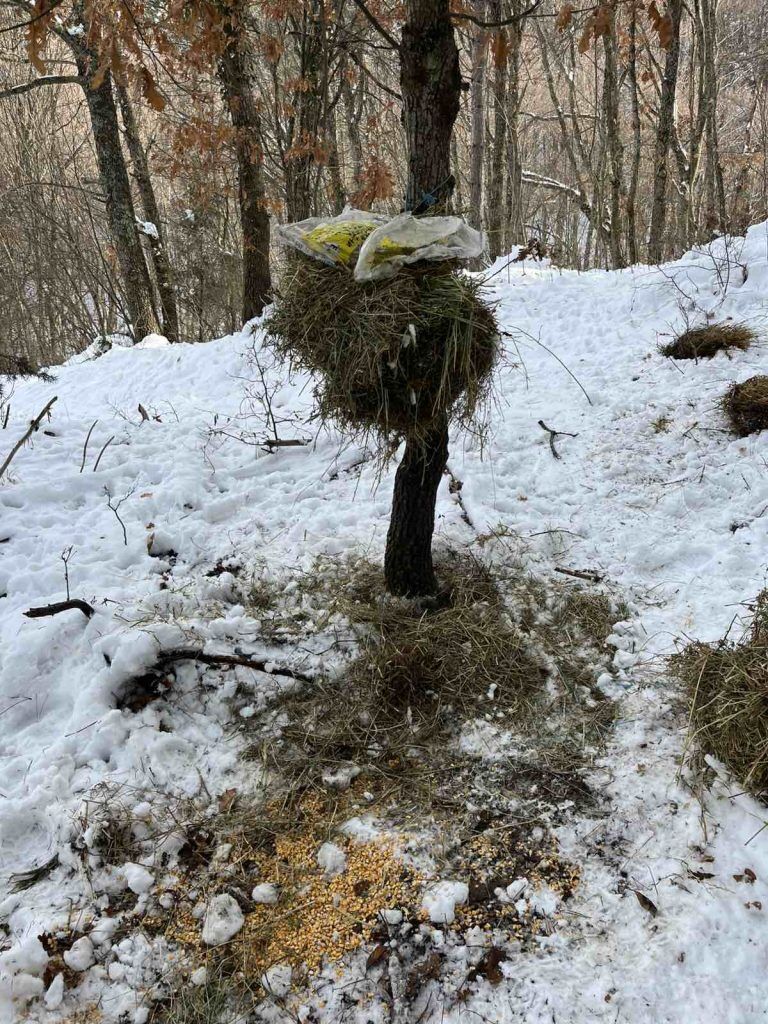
{"type": "Point", "coordinates": [138, 879]}
{"type": "Point", "coordinates": [277, 980]}
{"type": "Point", "coordinates": [654, 494]}
{"type": "Point", "coordinates": [265, 892]}
{"type": "Point", "coordinates": [223, 920]}
{"type": "Point", "coordinates": [80, 955]}
{"type": "Point", "coordinates": [441, 898]}
{"type": "Point", "coordinates": [331, 859]}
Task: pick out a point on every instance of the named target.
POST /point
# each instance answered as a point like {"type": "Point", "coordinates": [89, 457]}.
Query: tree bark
{"type": "Point", "coordinates": [664, 134]}
{"type": "Point", "coordinates": [495, 204]}
{"type": "Point", "coordinates": [477, 99]}
{"type": "Point", "coordinates": [615, 146]}
{"type": "Point", "coordinates": [408, 567]}
{"type": "Point", "coordinates": [430, 84]}
{"type": "Point", "coordinates": [121, 216]}
{"type": "Point", "coordinates": [514, 219]}
{"type": "Point", "coordinates": [254, 219]}
{"type": "Point", "coordinates": [158, 249]}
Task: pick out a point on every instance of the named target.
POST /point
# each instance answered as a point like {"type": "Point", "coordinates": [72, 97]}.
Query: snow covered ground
{"type": "Point", "coordinates": [654, 493]}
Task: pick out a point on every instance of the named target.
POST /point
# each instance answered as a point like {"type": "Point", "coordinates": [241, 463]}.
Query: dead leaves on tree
{"type": "Point", "coordinates": [600, 21]}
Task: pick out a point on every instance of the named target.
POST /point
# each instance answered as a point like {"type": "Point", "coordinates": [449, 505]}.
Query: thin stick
{"type": "Point", "coordinates": [98, 460]}
{"type": "Point", "coordinates": [194, 654]}
{"type": "Point", "coordinates": [85, 446]}
{"type": "Point", "coordinates": [33, 426]}
{"type": "Point", "coordinates": [580, 574]}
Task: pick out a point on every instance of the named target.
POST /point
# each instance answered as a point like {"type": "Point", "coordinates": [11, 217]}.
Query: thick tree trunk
{"type": "Point", "coordinates": [408, 565]}
{"type": "Point", "coordinates": [664, 134]}
{"type": "Point", "coordinates": [430, 83]}
{"type": "Point", "coordinates": [238, 94]}
{"type": "Point", "coordinates": [143, 178]}
{"type": "Point", "coordinates": [113, 176]}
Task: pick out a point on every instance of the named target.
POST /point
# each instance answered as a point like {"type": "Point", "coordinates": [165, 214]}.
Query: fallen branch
{"type": "Point", "coordinates": [61, 606]}
{"type": "Point", "coordinates": [194, 654]}
{"type": "Point", "coordinates": [33, 427]}
{"type": "Point", "coordinates": [553, 434]}
{"type": "Point", "coordinates": [581, 574]}
{"type": "Point", "coordinates": [277, 442]}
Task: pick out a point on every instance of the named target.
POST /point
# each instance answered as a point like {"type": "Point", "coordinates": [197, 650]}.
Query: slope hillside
{"type": "Point", "coordinates": [153, 495]}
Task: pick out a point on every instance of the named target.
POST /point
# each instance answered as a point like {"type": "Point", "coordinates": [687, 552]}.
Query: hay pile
{"type": "Point", "coordinates": [727, 685]}
{"type": "Point", "coordinates": [705, 342]}
{"type": "Point", "coordinates": [746, 405]}
{"type": "Point", "coordinates": [391, 356]}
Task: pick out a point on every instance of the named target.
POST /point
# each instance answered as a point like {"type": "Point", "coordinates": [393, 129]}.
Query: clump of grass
{"type": "Point", "coordinates": [705, 342]}
{"type": "Point", "coordinates": [390, 356]}
{"type": "Point", "coordinates": [746, 405]}
{"type": "Point", "coordinates": [727, 687]}
{"type": "Point", "coordinates": [506, 649]}
{"type": "Point", "coordinates": [418, 672]}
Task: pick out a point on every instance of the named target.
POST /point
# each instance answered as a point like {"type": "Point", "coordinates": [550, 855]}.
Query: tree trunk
{"type": "Point", "coordinates": [143, 178]}
{"type": "Point", "coordinates": [664, 133]}
{"type": "Point", "coordinates": [613, 138]}
{"type": "Point", "coordinates": [238, 94]}
{"type": "Point", "coordinates": [408, 565]}
{"type": "Point", "coordinates": [121, 216]}
{"type": "Point", "coordinates": [634, 177]}
{"type": "Point", "coordinates": [514, 219]}
{"type": "Point", "coordinates": [495, 203]}
{"type": "Point", "coordinates": [479, 49]}
{"type": "Point", "coordinates": [430, 84]}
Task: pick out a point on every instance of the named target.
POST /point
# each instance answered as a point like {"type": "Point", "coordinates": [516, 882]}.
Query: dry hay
{"type": "Point", "coordinates": [392, 356]}
{"type": "Point", "coordinates": [510, 654]}
{"type": "Point", "coordinates": [705, 342]}
{"type": "Point", "coordinates": [727, 686]}
{"type": "Point", "coordinates": [746, 405]}
{"type": "Point", "coordinates": [417, 675]}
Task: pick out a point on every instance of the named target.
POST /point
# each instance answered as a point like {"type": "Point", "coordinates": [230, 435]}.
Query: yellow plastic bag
{"type": "Point", "coordinates": [339, 241]}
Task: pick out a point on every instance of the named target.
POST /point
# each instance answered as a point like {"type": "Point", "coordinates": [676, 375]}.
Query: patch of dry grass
{"type": "Point", "coordinates": [746, 405]}
{"type": "Point", "coordinates": [727, 688]}
{"type": "Point", "coordinates": [705, 342]}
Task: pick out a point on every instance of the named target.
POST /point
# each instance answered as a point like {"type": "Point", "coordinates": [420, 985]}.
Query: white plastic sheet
{"type": "Point", "coordinates": [380, 246]}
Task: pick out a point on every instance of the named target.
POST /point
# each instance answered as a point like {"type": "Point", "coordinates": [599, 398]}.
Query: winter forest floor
{"type": "Point", "coordinates": [535, 842]}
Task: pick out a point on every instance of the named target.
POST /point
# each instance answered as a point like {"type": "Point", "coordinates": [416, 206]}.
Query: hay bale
{"type": "Point", "coordinates": [746, 405]}
{"type": "Point", "coordinates": [391, 356]}
{"type": "Point", "coordinates": [727, 686]}
{"type": "Point", "coordinates": [705, 342]}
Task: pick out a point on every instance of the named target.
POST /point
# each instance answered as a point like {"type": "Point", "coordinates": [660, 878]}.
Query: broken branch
{"type": "Point", "coordinates": [61, 606]}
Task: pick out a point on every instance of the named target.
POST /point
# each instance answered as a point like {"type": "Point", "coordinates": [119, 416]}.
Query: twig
{"type": "Point", "coordinates": [33, 426]}
{"type": "Point", "coordinates": [553, 434]}
{"type": "Point", "coordinates": [98, 459]}
{"type": "Point", "coordinates": [581, 574]}
{"type": "Point", "coordinates": [276, 442]}
{"type": "Point", "coordinates": [115, 508]}
{"type": "Point", "coordinates": [85, 446]}
{"type": "Point", "coordinates": [61, 606]}
{"type": "Point", "coordinates": [194, 654]}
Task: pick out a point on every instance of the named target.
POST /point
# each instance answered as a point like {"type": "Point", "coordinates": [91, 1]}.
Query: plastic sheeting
{"type": "Point", "coordinates": [380, 246]}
